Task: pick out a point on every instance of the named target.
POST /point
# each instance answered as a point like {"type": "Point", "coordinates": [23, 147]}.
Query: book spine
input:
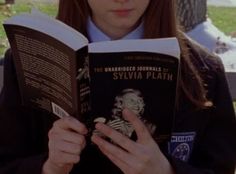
{"type": "Point", "coordinates": [82, 85]}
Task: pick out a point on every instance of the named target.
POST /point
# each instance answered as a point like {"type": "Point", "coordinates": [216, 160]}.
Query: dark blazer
{"type": "Point", "coordinates": [203, 142]}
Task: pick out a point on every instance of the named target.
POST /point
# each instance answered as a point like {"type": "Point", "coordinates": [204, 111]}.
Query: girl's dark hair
{"type": "Point", "coordinates": [159, 22]}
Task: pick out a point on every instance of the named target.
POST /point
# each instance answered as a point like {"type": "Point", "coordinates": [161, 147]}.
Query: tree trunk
{"type": "Point", "coordinates": [191, 13]}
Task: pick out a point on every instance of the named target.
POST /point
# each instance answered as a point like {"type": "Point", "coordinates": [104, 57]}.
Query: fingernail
{"type": "Point", "coordinates": [94, 138]}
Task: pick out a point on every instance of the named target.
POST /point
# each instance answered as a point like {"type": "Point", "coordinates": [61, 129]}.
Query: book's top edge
{"type": "Point", "coordinates": [51, 27]}
{"type": "Point", "coordinates": [168, 46]}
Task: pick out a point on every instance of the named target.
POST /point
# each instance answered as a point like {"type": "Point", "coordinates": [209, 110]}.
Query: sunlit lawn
{"type": "Point", "coordinates": [224, 18]}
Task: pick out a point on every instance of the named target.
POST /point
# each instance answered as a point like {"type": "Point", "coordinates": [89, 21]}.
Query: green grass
{"type": "Point", "coordinates": [224, 18]}
{"type": "Point", "coordinates": [21, 6]}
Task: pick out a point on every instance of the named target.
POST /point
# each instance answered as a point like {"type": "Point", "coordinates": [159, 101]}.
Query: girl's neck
{"type": "Point", "coordinates": [115, 33]}
{"type": "Point", "coordinates": [95, 34]}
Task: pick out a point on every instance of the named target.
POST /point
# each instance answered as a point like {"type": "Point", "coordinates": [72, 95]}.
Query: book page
{"type": "Point", "coordinates": [167, 46]}
{"type": "Point", "coordinates": [51, 27]}
{"type": "Point", "coordinates": [140, 75]}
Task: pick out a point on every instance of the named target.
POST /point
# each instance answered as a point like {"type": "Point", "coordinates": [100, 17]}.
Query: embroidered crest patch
{"type": "Point", "coordinates": [181, 144]}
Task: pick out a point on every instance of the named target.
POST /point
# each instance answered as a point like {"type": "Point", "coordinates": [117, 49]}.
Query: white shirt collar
{"type": "Point", "coordinates": [96, 35]}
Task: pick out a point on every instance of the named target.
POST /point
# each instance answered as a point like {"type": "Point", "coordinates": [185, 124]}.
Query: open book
{"type": "Point", "coordinates": [58, 70]}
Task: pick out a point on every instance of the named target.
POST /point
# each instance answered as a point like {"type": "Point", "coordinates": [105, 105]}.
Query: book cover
{"type": "Point", "coordinates": [142, 79]}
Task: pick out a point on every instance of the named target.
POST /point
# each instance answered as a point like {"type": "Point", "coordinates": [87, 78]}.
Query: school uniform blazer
{"type": "Point", "coordinates": [203, 142]}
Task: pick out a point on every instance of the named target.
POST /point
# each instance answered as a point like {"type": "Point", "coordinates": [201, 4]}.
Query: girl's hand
{"type": "Point", "coordinates": [66, 141]}
{"type": "Point", "coordinates": [142, 156]}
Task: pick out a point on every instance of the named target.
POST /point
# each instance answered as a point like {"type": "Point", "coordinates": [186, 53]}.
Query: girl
{"type": "Point", "coordinates": [203, 137]}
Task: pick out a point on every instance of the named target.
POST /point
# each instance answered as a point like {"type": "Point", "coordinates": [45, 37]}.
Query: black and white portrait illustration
{"type": "Point", "coordinates": [133, 100]}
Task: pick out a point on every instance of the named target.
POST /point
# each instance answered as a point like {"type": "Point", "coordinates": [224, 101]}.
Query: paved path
{"type": "Point", "coordinates": [226, 3]}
